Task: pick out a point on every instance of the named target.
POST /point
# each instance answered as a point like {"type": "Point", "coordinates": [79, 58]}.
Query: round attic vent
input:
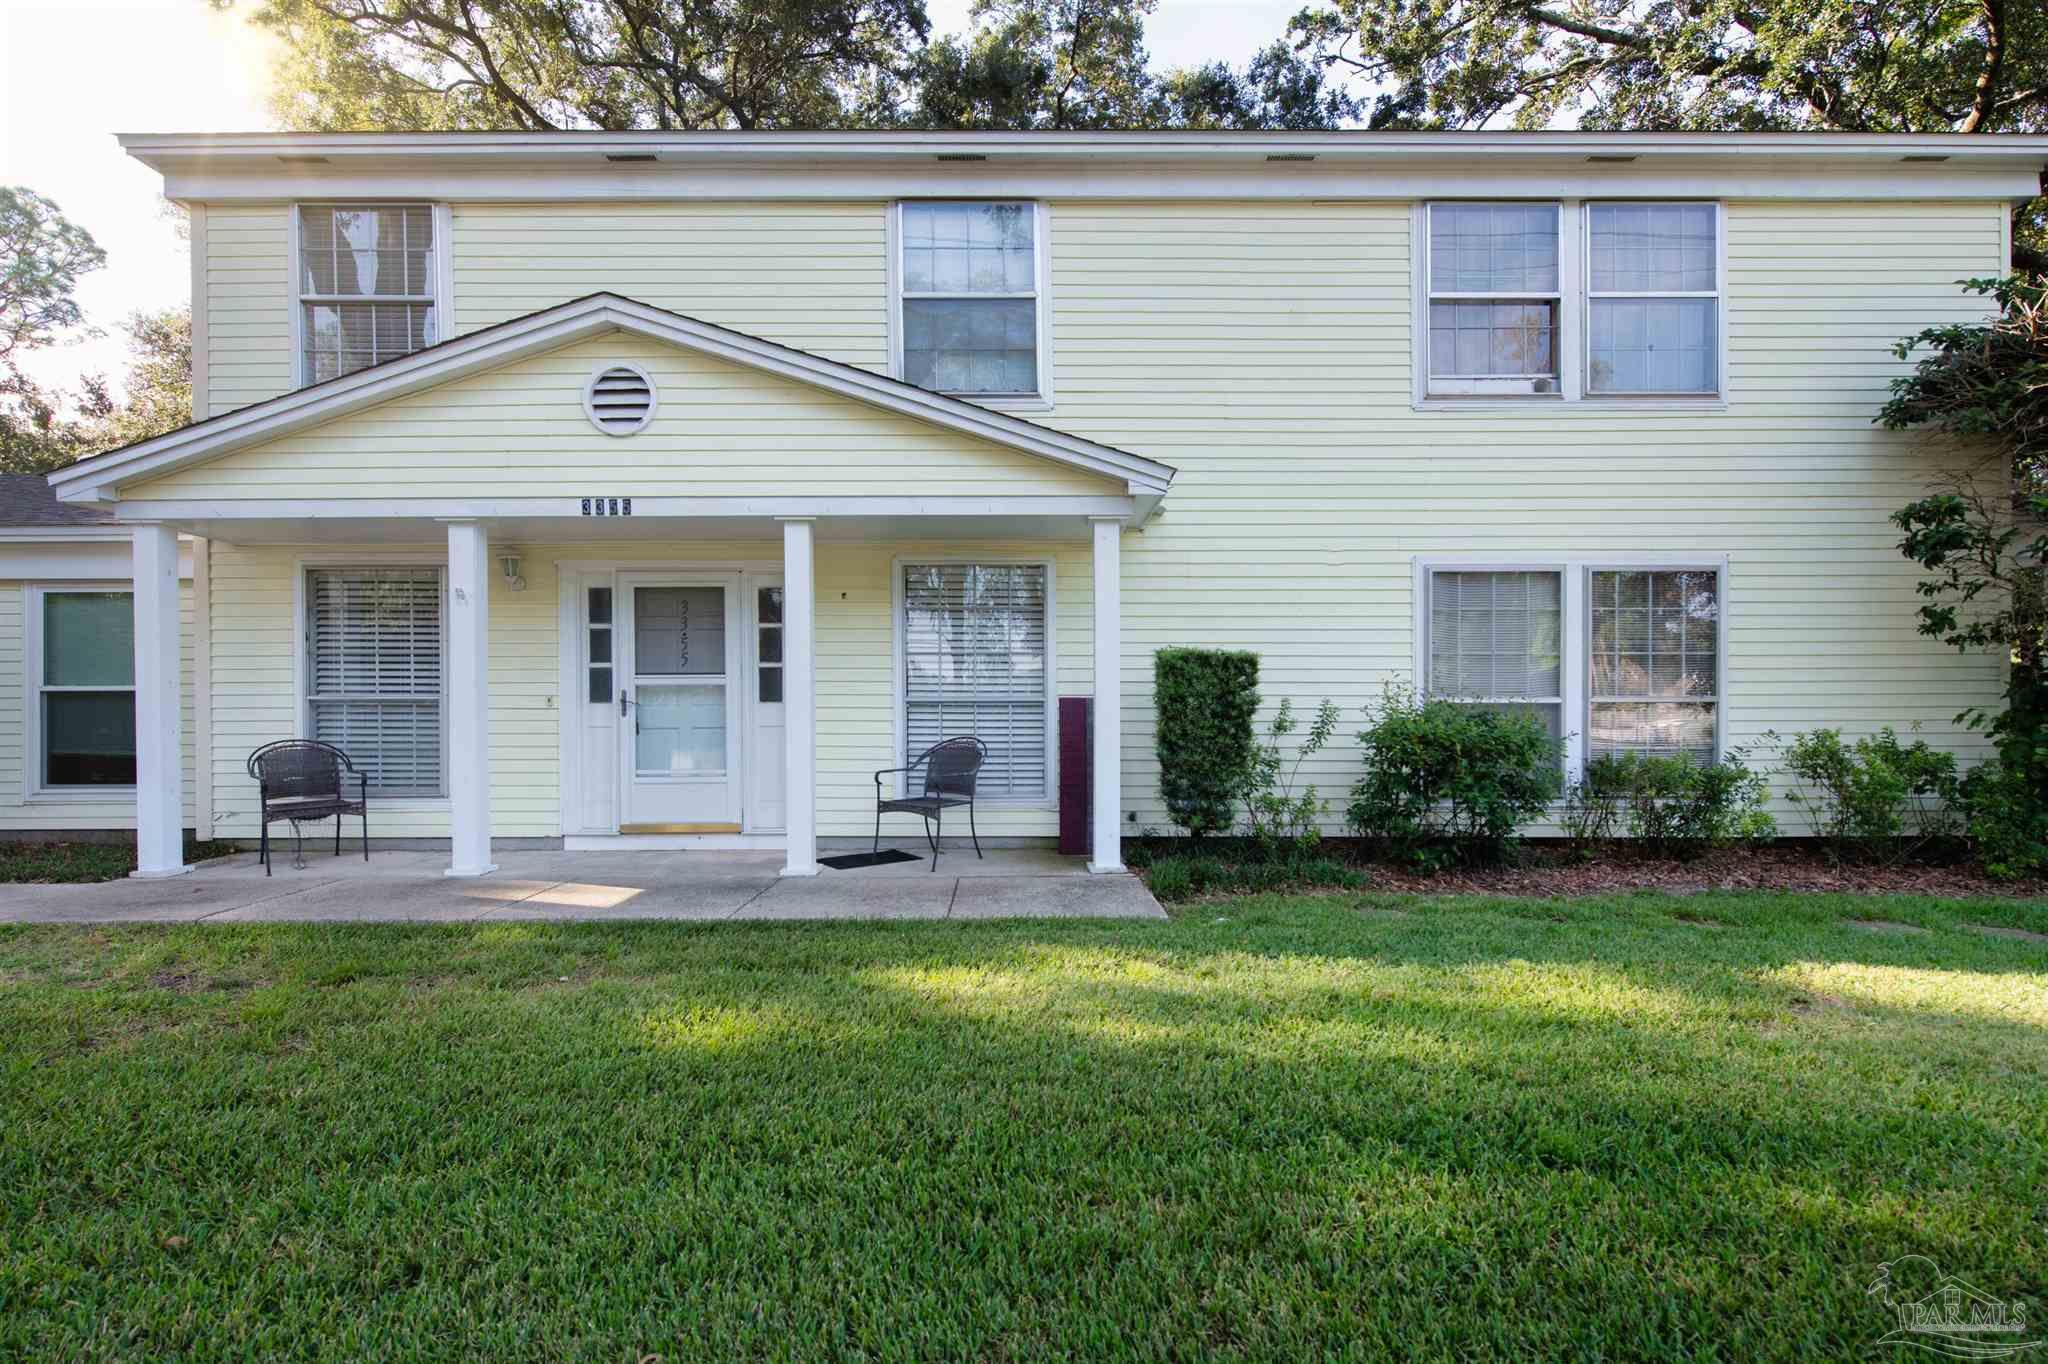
{"type": "Point", "coordinates": [619, 400]}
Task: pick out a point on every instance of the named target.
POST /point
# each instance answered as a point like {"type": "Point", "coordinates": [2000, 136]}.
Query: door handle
{"type": "Point", "coordinates": [623, 702]}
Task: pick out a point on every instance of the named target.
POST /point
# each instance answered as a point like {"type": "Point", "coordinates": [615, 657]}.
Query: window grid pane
{"type": "Point", "coordinates": [384, 254]}
{"type": "Point", "coordinates": [1493, 340]}
{"type": "Point", "coordinates": [1493, 248]}
{"type": "Point", "coordinates": [1654, 677]}
{"type": "Point", "coordinates": [969, 307]}
{"type": "Point", "coordinates": [374, 668]}
{"type": "Point", "coordinates": [975, 664]}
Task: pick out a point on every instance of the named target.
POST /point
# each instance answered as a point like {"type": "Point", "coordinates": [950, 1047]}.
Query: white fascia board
{"type": "Point", "coordinates": [568, 509]}
{"type": "Point", "coordinates": [563, 325]}
{"type": "Point", "coordinates": [572, 166]}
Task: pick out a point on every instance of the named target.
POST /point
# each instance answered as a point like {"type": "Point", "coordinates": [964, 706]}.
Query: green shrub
{"type": "Point", "coordinates": [1876, 799]}
{"type": "Point", "coordinates": [1206, 699]}
{"type": "Point", "coordinates": [1594, 804]}
{"type": "Point", "coordinates": [1280, 820]}
{"type": "Point", "coordinates": [2008, 820]}
{"type": "Point", "coordinates": [1448, 784]}
{"type": "Point", "coordinates": [1676, 807]}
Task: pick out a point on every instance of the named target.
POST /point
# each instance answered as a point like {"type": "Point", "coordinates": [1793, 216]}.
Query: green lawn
{"type": "Point", "coordinates": [1278, 1128]}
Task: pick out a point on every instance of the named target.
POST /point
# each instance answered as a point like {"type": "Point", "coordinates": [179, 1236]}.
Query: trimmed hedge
{"type": "Point", "coordinates": [1206, 699]}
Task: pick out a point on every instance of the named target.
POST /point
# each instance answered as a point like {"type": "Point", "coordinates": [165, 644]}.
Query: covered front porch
{"type": "Point", "coordinates": [632, 581]}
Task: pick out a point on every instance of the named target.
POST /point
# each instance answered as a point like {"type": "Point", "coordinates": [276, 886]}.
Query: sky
{"type": "Point", "coordinates": [174, 66]}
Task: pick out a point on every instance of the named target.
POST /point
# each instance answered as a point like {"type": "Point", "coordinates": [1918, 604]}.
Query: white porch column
{"type": "Point", "coordinates": [469, 699]}
{"type": "Point", "coordinates": [1107, 798]}
{"type": "Point", "coordinates": [159, 750]}
{"type": "Point", "coordinates": [799, 697]}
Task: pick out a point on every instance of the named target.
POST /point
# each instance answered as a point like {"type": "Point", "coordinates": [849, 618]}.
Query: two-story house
{"type": "Point", "coordinates": [650, 489]}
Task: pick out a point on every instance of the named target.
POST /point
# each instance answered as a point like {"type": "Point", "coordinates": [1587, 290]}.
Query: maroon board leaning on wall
{"type": "Point", "coordinates": [1077, 776]}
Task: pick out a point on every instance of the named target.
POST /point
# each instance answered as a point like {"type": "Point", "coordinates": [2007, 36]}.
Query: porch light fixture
{"type": "Point", "coordinates": [508, 559]}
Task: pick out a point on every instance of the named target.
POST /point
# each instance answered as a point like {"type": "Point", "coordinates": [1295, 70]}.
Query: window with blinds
{"type": "Point", "coordinates": [974, 662]}
{"type": "Point", "coordinates": [374, 676]}
{"type": "Point", "coordinates": [1497, 638]}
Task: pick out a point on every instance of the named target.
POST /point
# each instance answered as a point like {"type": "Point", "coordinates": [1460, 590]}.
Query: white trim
{"type": "Point", "coordinates": [573, 321]}
{"type": "Point", "coordinates": [33, 758]}
{"type": "Point", "coordinates": [444, 270]}
{"type": "Point", "coordinates": [195, 217]}
{"type": "Point", "coordinates": [1106, 834]}
{"type": "Point", "coordinates": [202, 689]}
{"type": "Point", "coordinates": [569, 509]}
{"type": "Point", "coordinates": [799, 698]}
{"type": "Point", "coordinates": [1574, 570]}
{"type": "Point", "coordinates": [159, 753]}
{"type": "Point", "coordinates": [1041, 296]}
{"type": "Point", "coordinates": [899, 700]}
{"type": "Point", "coordinates": [466, 682]}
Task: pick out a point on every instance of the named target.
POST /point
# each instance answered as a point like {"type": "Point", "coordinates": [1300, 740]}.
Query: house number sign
{"type": "Point", "coordinates": [607, 506]}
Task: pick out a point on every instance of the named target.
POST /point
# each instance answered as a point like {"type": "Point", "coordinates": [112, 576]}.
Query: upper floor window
{"type": "Point", "coordinates": [367, 286]}
{"type": "Point", "coordinates": [1571, 300]}
{"type": "Point", "coordinates": [970, 298]}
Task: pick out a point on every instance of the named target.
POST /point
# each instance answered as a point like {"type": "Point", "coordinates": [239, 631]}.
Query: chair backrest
{"type": "Point", "coordinates": [951, 767]}
{"type": "Point", "coordinates": [299, 767]}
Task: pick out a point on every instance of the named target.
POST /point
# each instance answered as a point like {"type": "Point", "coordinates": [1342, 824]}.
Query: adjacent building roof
{"type": "Point", "coordinates": [27, 500]}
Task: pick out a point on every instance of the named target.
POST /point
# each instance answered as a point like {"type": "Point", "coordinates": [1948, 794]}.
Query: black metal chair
{"type": "Point", "coordinates": [950, 770]}
{"type": "Point", "coordinates": [305, 779]}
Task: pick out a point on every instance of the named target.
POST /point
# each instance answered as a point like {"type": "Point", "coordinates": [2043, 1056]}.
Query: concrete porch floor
{"type": "Point", "coordinates": [408, 887]}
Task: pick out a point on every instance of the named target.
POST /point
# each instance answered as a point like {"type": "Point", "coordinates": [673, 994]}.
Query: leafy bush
{"type": "Point", "coordinates": [2008, 819]}
{"type": "Point", "coordinates": [1447, 784]}
{"type": "Point", "coordinates": [1875, 799]}
{"type": "Point", "coordinates": [1206, 699]}
{"type": "Point", "coordinates": [1682, 809]}
{"type": "Point", "coordinates": [1278, 819]}
{"type": "Point", "coordinates": [1177, 877]}
{"type": "Point", "coordinates": [1594, 804]}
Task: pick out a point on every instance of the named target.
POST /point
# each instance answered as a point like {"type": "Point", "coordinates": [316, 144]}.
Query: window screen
{"type": "Point", "coordinates": [374, 672]}
{"type": "Point", "coordinates": [974, 654]}
{"type": "Point", "coordinates": [366, 286]}
{"type": "Point", "coordinates": [1655, 682]}
{"type": "Point", "coordinates": [970, 297]}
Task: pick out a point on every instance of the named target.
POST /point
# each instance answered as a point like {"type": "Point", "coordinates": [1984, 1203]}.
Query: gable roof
{"type": "Point", "coordinates": [27, 500]}
{"type": "Point", "coordinates": [98, 478]}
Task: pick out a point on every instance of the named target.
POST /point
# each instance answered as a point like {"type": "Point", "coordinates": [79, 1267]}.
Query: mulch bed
{"type": "Point", "coordinates": [1775, 868]}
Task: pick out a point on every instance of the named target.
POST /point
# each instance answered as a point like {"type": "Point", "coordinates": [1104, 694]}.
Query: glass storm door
{"type": "Point", "coordinates": [679, 730]}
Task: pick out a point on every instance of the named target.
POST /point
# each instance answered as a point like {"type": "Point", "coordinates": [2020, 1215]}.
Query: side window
{"type": "Point", "coordinates": [87, 689]}
{"type": "Point", "coordinates": [970, 298]}
{"type": "Point", "coordinates": [366, 286]}
{"type": "Point", "coordinates": [598, 633]}
{"type": "Point", "coordinates": [1652, 298]}
{"type": "Point", "coordinates": [769, 668]}
{"type": "Point", "coordinates": [1655, 679]}
{"type": "Point", "coordinates": [1496, 639]}
{"type": "Point", "coordinates": [374, 677]}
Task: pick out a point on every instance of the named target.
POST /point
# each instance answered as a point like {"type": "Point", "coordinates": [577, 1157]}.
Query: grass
{"type": "Point", "coordinates": [45, 862]}
{"type": "Point", "coordinates": [1346, 1128]}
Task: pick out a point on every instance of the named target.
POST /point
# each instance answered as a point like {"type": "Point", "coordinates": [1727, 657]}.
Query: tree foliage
{"type": "Point", "coordinates": [41, 429]}
{"type": "Point", "coordinates": [42, 254]}
{"type": "Point", "coordinates": [421, 65]}
{"type": "Point", "coordinates": [1964, 66]}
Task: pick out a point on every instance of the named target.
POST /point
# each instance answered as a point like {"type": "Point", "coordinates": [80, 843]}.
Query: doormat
{"type": "Point", "coordinates": [848, 861]}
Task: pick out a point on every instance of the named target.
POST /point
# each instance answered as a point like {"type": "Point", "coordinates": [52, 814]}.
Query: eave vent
{"type": "Point", "coordinates": [1923, 159]}
{"type": "Point", "coordinates": [1610, 160]}
{"type": "Point", "coordinates": [960, 156]}
{"type": "Point", "coordinates": [630, 156]}
{"type": "Point", "coordinates": [1292, 156]}
{"type": "Point", "coordinates": [619, 400]}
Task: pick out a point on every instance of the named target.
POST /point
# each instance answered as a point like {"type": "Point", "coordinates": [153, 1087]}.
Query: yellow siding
{"type": "Point", "coordinates": [721, 430]}
{"type": "Point", "coordinates": [1263, 349]}
{"type": "Point", "coordinates": [811, 276]}
{"type": "Point", "coordinates": [255, 635]}
{"type": "Point", "coordinates": [17, 692]}
{"type": "Point", "coordinates": [248, 282]}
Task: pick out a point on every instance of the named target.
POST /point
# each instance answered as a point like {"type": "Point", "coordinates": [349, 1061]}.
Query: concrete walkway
{"type": "Point", "coordinates": [408, 887]}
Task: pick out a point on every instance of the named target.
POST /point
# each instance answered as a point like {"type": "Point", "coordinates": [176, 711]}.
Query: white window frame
{"type": "Point", "coordinates": [1503, 386]}
{"type": "Point", "coordinates": [899, 629]}
{"type": "Point", "coordinates": [1041, 237]}
{"type": "Point", "coordinates": [1576, 577]}
{"type": "Point", "coordinates": [443, 274]}
{"type": "Point", "coordinates": [1562, 700]}
{"type": "Point", "coordinates": [1574, 335]}
{"type": "Point", "coordinates": [33, 759]}
{"type": "Point", "coordinates": [302, 703]}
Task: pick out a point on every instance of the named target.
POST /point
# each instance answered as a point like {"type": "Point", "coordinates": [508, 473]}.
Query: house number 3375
{"type": "Point", "coordinates": [607, 506]}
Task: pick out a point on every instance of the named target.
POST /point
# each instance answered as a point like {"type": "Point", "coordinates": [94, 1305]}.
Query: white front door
{"type": "Point", "coordinates": [679, 728]}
